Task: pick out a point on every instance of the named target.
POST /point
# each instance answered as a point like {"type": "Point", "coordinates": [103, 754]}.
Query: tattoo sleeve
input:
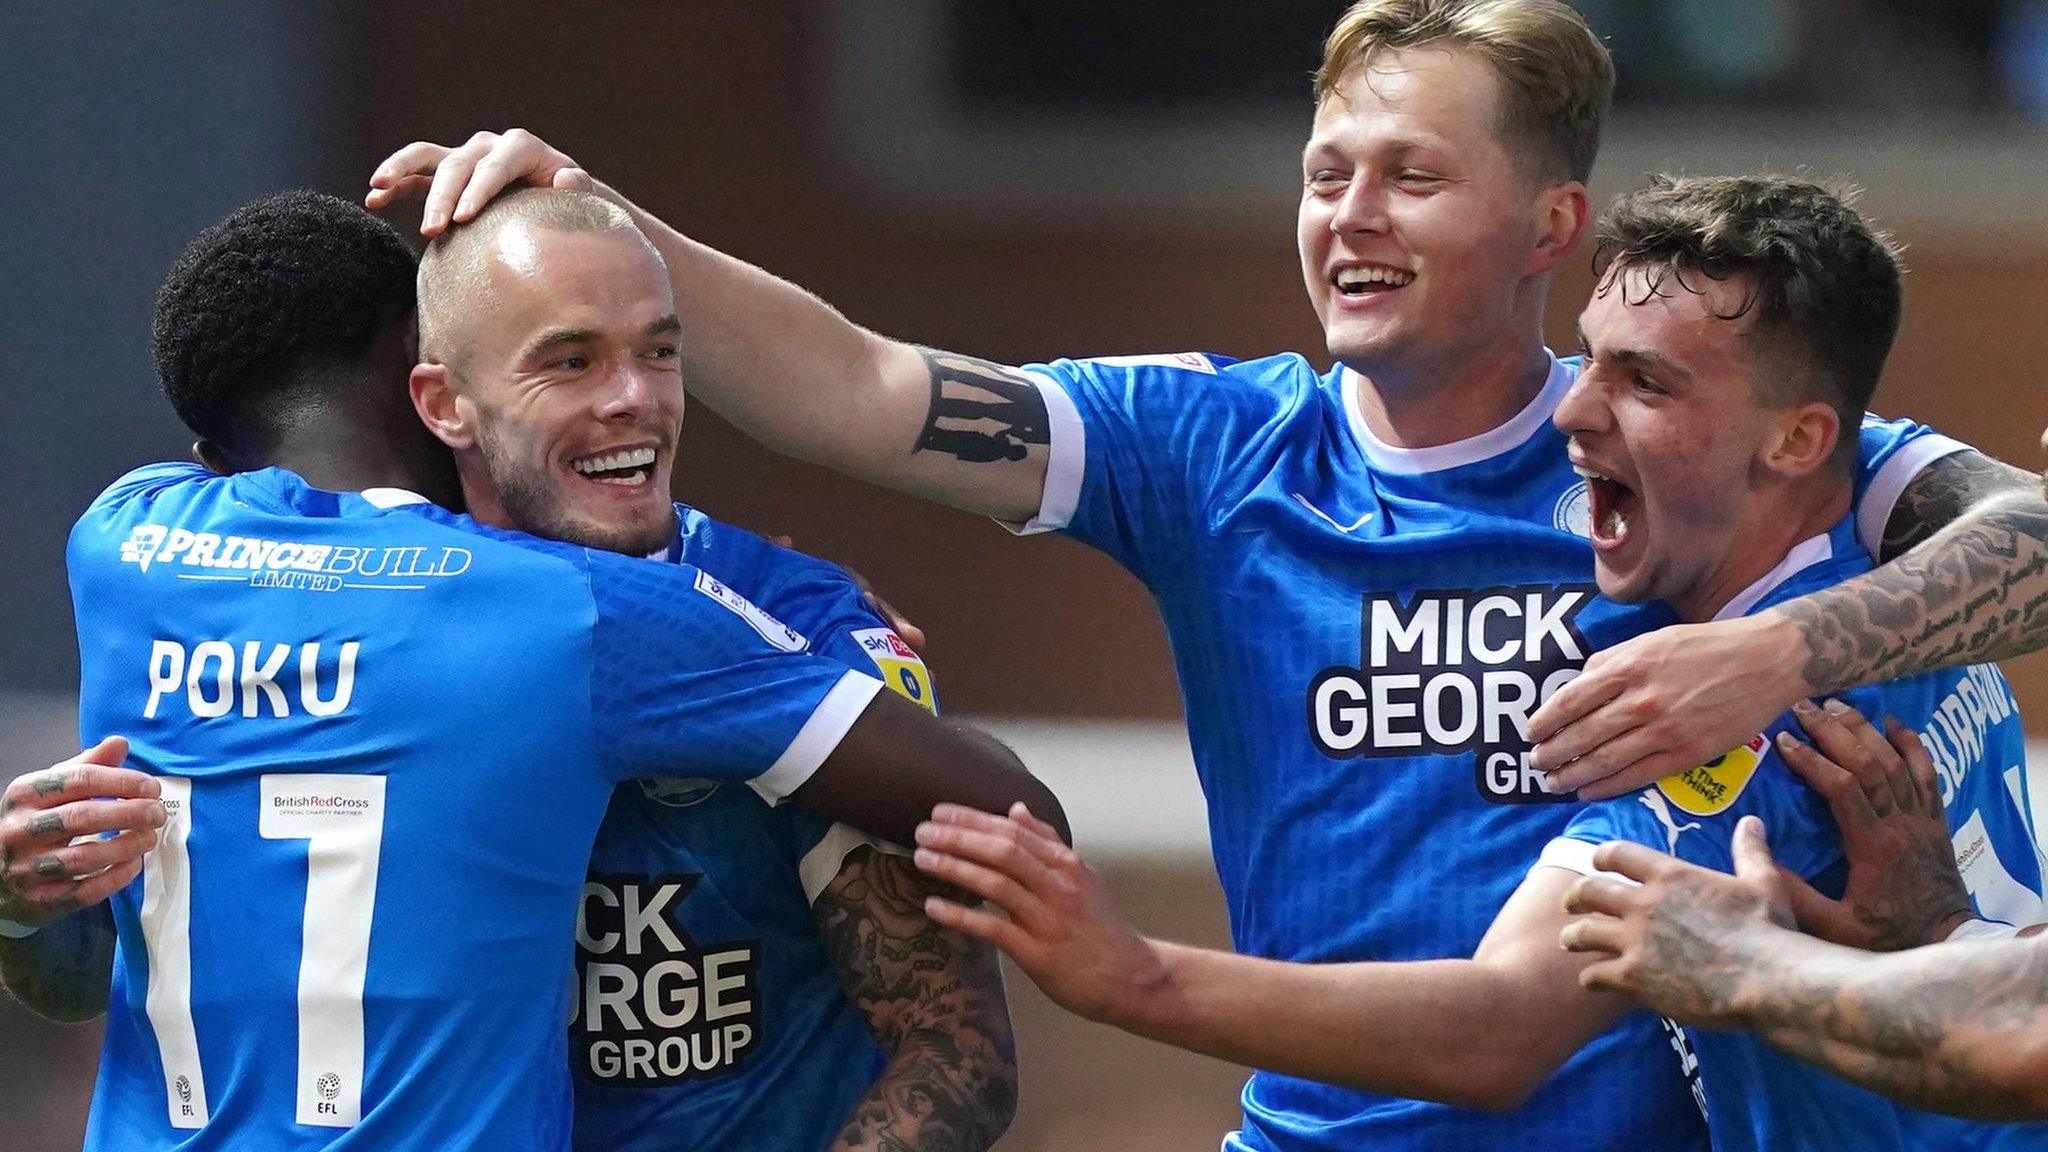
{"type": "Point", "coordinates": [1955, 1028]}
{"type": "Point", "coordinates": [1971, 585]}
{"type": "Point", "coordinates": [981, 412]}
{"type": "Point", "coordinates": [933, 999]}
{"type": "Point", "coordinates": [63, 972]}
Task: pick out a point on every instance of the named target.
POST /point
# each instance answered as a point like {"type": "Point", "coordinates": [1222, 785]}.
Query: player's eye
{"type": "Point", "coordinates": [1649, 387]}
{"type": "Point", "coordinates": [664, 352]}
{"type": "Point", "coordinates": [1418, 179]}
{"type": "Point", "coordinates": [1324, 181]}
{"type": "Point", "coordinates": [570, 363]}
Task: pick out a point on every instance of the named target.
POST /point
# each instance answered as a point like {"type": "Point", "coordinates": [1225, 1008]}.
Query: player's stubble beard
{"type": "Point", "coordinates": [531, 501]}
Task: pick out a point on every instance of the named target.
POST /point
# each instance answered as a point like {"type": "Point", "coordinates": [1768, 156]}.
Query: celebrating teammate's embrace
{"type": "Point", "coordinates": [1373, 578]}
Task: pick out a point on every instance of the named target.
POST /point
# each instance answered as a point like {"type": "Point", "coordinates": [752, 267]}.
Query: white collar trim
{"type": "Point", "coordinates": [1438, 457]}
{"type": "Point", "coordinates": [392, 497]}
{"type": "Point", "coordinates": [1803, 555]}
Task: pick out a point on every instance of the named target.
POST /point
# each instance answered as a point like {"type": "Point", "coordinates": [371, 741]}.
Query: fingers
{"type": "Point", "coordinates": [71, 862]}
{"type": "Point", "coordinates": [1577, 703]}
{"type": "Point", "coordinates": [1751, 850]}
{"type": "Point", "coordinates": [1634, 861]}
{"type": "Point", "coordinates": [58, 898]}
{"type": "Point", "coordinates": [83, 818]}
{"type": "Point", "coordinates": [451, 178]}
{"type": "Point", "coordinates": [515, 156]}
{"type": "Point", "coordinates": [1036, 836]}
{"type": "Point", "coordinates": [81, 779]}
{"type": "Point", "coordinates": [1594, 934]}
{"type": "Point", "coordinates": [416, 161]}
{"type": "Point", "coordinates": [1847, 800]}
{"type": "Point", "coordinates": [1926, 785]}
{"type": "Point", "coordinates": [1816, 915]}
{"type": "Point", "coordinates": [1841, 734]}
{"type": "Point", "coordinates": [983, 924]}
{"type": "Point", "coordinates": [1637, 760]}
{"type": "Point", "coordinates": [1600, 894]}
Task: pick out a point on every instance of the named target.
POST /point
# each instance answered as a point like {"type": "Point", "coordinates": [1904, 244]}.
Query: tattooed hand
{"type": "Point", "coordinates": [52, 859]}
{"type": "Point", "coordinates": [1682, 940]}
{"type": "Point", "coordinates": [1904, 889]}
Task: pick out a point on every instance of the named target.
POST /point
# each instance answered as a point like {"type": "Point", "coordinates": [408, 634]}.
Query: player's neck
{"type": "Point", "coordinates": [1767, 537]}
{"type": "Point", "coordinates": [1428, 409]}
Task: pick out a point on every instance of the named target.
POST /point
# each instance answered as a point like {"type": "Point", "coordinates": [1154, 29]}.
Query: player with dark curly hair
{"type": "Point", "coordinates": [281, 333]}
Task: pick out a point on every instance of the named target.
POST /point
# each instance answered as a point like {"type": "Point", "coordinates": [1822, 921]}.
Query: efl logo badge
{"type": "Point", "coordinates": [772, 630]}
{"type": "Point", "coordinates": [900, 666]}
{"type": "Point", "coordinates": [1712, 787]}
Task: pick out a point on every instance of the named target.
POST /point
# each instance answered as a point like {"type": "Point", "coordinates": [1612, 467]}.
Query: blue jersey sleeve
{"type": "Point", "coordinates": [1140, 444]}
{"type": "Point", "coordinates": [1890, 453]}
{"type": "Point", "coordinates": [689, 678]}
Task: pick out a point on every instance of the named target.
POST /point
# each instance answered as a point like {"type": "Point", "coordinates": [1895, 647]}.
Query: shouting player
{"type": "Point", "coordinates": [368, 942]}
{"type": "Point", "coordinates": [1737, 333]}
{"type": "Point", "coordinates": [1282, 518]}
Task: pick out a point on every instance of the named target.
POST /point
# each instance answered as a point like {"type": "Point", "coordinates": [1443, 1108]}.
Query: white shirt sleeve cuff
{"type": "Point", "coordinates": [1983, 930]}
{"type": "Point", "coordinates": [1575, 856]}
{"type": "Point", "coordinates": [817, 738]}
{"type": "Point", "coordinates": [1889, 484]}
{"type": "Point", "coordinates": [820, 866]}
{"type": "Point", "coordinates": [1067, 461]}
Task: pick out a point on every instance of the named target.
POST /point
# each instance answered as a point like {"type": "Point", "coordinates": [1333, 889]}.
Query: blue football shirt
{"type": "Point", "coordinates": [386, 737]}
{"type": "Point", "coordinates": [1756, 1097]}
{"type": "Point", "coordinates": [1361, 632]}
{"type": "Point", "coordinates": [700, 897]}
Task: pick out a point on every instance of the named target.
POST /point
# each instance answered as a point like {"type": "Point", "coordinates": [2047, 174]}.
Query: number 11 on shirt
{"type": "Point", "coordinates": [342, 820]}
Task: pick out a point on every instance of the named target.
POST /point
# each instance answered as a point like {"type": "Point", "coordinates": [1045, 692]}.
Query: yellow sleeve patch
{"type": "Point", "coordinates": [1710, 788]}
{"type": "Point", "coordinates": [901, 669]}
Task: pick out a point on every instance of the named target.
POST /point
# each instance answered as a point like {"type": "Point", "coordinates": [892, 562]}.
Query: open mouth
{"type": "Point", "coordinates": [1370, 279]}
{"type": "Point", "coordinates": [622, 468]}
{"type": "Point", "coordinates": [1615, 507]}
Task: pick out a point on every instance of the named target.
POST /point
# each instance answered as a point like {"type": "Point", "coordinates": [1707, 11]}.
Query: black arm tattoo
{"type": "Point", "coordinates": [933, 999]}
{"type": "Point", "coordinates": [65, 971]}
{"type": "Point", "coordinates": [1973, 587]}
{"type": "Point", "coordinates": [1955, 1028]}
{"type": "Point", "coordinates": [981, 412]}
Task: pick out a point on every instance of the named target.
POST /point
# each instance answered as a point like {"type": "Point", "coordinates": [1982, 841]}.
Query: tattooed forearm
{"type": "Point", "coordinates": [933, 999]}
{"type": "Point", "coordinates": [63, 972]}
{"type": "Point", "coordinates": [1958, 1028]}
{"type": "Point", "coordinates": [981, 412]}
{"type": "Point", "coordinates": [1973, 588]}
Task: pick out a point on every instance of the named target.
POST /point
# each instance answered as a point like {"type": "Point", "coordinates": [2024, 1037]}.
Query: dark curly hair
{"type": "Point", "coordinates": [287, 283]}
{"type": "Point", "coordinates": [1824, 284]}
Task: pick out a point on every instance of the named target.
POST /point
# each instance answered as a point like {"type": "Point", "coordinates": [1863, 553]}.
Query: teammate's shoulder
{"type": "Point", "coordinates": [152, 480]}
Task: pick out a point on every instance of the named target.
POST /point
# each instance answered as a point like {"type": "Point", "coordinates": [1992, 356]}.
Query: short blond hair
{"type": "Point", "coordinates": [1557, 79]}
{"type": "Point", "coordinates": [452, 277]}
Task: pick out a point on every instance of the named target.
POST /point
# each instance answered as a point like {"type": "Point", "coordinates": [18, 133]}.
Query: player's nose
{"type": "Point", "coordinates": [1362, 207]}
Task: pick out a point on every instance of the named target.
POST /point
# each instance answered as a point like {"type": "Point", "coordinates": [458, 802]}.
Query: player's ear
{"type": "Point", "coordinates": [440, 407]}
{"type": "Point", "coordinates": [1563, 211]}
{"type": "Point", "coordinates": [213, 457]}
{"type": "Point", "coordinates": [1804, 439]}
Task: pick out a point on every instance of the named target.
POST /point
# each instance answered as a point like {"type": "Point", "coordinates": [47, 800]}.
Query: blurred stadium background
{"type": "Point", "coordinates": [1015, 178]}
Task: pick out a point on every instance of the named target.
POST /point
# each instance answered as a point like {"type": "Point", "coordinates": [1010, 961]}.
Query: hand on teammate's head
{"type": "Point", "coordinates": [455, 183]}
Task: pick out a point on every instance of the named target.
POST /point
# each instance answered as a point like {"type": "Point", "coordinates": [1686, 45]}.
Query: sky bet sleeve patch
{"type": "Point", "coordinates": [1710, 788]}
{"type": "Point", "coordinates": [902, 670]}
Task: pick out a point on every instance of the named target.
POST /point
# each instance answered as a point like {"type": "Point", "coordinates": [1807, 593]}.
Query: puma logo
{"type": "Point", "coordinates": [1661, 809]}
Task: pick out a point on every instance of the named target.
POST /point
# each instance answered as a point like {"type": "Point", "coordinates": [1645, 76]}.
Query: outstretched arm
{"type": "Point", "coordinates": [781, 364]}
{"type": "Point", "coordinates": [1959, 1028]}
{"type": "Point", "coordinates": [1399, 1028]}
{"type": "Point", "coordinates": [933, 999]}
{"type": "Point", "coordinates": [1972, 588]}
